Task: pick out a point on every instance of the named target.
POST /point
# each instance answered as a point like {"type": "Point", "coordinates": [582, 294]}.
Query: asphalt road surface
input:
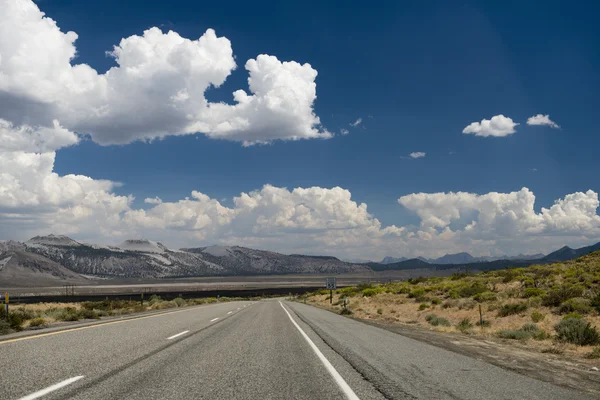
{"type": "Point", "coordinates": [243, 350]}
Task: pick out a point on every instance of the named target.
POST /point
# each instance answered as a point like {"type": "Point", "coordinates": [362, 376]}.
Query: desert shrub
{"type": "Point", "coordinates": [423, 306]}
{"type": "Point", "coordinates": [88, 314]}
{"type": "Point", "coordinates": [450, 304]}
{"type": "Point", "coordinates": [596, 302]}
{"type": "Point", "coordinates": [472, 290]}
{"type": "Point", "coordinates": [577, 331]}
{"type": "Point", "coordinates": [416, 293]}
{"type": "Point", "coordinates": [512, 309]}
{"type": "Point", "coordinates": [67, 314]}
{"type": "Point", "coordinates": [4, 326]}
{"type": "Point", "coordinates": [493, 307]}
{"type": "Point", "coordinates": [556, 296]}
{"type": "Point", "coordinates": [485, 296]}
{"type": "Point", "coordinates": [576, 304]}
{"type": "Point", "coordinates": [154, 299]}
{"type": "Point", "coordinates": [514, 334]}
{"type": "Point", "coordinates": [552, 350]}
{"type": "Point", "coordinates": [179, 301]}
{"type": "Point", "coordinates": [533, 292]}
{"type": "Point", "coordinates": [467, 305]}
{"type": "Point", "coordinates": [537, 316]}
{"type": "Point", "coordinates": [24, 313]}
{"type": "Point", "coordinates": [595, 353]}
{"type": "Point", "coordinates": [346, 311]}
{"type": "Point", "coordinates": [37, 323]}
{"type": "Point", "coordinates": [436, 321]}
{"type": "Point", "coordinates": [380, 311]}
{"type": "Point", "coordinates": [535, 301]}
{"type": "Point", "coordinates": [572, 315]}
{"type": "Point", "coordinates": [464, 325]}
{"type": "Point", "coordinates": [484, 323]}
{"type": "Point", "coordinates": [15, 320]}
{"type": "Point", "coordinates": [527, 331]}
{"type": "Point", "coordinates": [436, 301]}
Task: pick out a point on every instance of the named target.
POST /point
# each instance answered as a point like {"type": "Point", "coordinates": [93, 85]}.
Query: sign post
{"type": "Point", "coordinates": [330, 284]}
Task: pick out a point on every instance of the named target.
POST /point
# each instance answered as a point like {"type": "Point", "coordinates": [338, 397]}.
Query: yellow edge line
{"type": "Point", "coordinates": [94, 326]}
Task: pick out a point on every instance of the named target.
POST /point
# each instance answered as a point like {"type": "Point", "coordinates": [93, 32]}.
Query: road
{"type": "Point", "coordinates": [269, 349]}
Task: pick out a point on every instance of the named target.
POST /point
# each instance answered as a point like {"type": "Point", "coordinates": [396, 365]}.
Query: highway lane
{"type": "Point", "coordinates": [270, 349]}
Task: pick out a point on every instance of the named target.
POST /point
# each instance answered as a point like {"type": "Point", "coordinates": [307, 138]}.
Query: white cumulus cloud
{"type": "Point", "coordinates": [498, 126]}
{"type": "Point", "coordinates": [157, 87]}
{"type": "Point", "coordinates": [344, 131]}
{"type": "Point", "coordinates": [541, 119]}
{"type": "Point", "coordinates": [417, 154]}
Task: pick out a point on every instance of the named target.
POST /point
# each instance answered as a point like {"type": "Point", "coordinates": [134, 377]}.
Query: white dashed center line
{"type": "Point", "coordinates": [52, 388]}
{"type": "Point", "coordinates": [214, 319]}
{"type": "Point", "coordinates": [179, 334]}
{"type": "Point", "coordinates": [229, 312]}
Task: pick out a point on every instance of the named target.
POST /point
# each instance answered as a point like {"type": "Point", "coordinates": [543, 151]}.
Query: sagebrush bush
{"type": "Point", "coordinates": [577, 331]}
{"type": "Point", "coordinates": [595, 353]}
{"type": "Point", "coordinates": [485, 296]}
{"type": "Point", "coordinates": [514, 334]}
{"type": "Point", "coordinates": [512, 309]}
{"type": "Point", "coordinates": [576, 304]}
{"type": "Point", "coordinates": [464, 325]}
{"type": "Point", "coordinates": [537, 316]}
{"type": "Point", "coordinates": [533, 292]}
{"type": "Point", "coordinates": [423, 306]}
{"type": "Point", "coordinates": [37, 323]}
{"type": "Point", "coordinates": [179, 301]}
{"type": "Point", "coordinates": [368, 292]}
{"type": "Point", "coordinates": [561, 294]}
{"type": "Point", "coordinates": [380, 311]}
{"type": "Point", "coordinates": [4, 327]}
{"type": "Point", "coordinates": [436, 321]}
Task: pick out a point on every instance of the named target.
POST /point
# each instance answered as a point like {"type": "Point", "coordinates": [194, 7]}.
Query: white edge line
{"type": "Point", "coordinates": [332, 371]}
{"type": "Point", "coordinates": [179, 334]}
{"type": "Point", "coordinates": [229, 312]}
{"type": "Point", "coordinates": [214, 319]}
{"type": "Point", "coordinates": [52, 388]}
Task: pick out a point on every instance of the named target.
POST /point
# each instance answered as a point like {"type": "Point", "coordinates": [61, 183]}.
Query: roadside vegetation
{"type": "Point", "coordinates": [42, 315]}
{"type": "Point", "coordinates": [553, 306]}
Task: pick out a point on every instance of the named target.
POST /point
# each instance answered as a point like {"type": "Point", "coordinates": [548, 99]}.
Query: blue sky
{"type": "Point", "coordinates": [422, 73]}
{"type": "Point", "coordinates": [416, 74]}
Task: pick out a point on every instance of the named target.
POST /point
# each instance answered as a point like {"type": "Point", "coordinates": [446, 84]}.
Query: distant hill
{"type": "Point", "coordinates": [458, 258]}
{"type": "Point", "coordinates": [392, 260]}
{"type": "Point", "coordinates": [566, 253]}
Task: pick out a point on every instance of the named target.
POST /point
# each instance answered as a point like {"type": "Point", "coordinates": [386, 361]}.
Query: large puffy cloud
{"type": "Point", "coordinates": [498, 126]}
{"type": "Point", "coordinates": [157, 88]}
{"type": "Point", "coordinates": [501, 216]}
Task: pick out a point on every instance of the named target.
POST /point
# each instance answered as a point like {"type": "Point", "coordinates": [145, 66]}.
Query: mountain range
{"type": "Point", "coordinates": [462, 258]}
{"type": "Point", "coordinates": [54, 259]}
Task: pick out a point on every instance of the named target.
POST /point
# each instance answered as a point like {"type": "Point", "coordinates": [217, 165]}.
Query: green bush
{"type": "Point", "coordinates": [514, 334]}
{"type": "Point", "coordinates": [179, 301]}
{"type": "Point", "coordinates": [416, 293]}
{"type": "Point", "coordinates": [37, 323]}
{"type": "Point", "coordinates": [368, 292]}
{"type": "Point", "coordinates": [573, 315]}
{"type": "Point", "coordinates": [346, 311]}
{"type": "Point", "coordinates": [556, 296]}
{"type": "Point", "coordinates": [576, 304]}
{"type": "Point", "coordinates": [596, 302]}
{"type": "Point", "coordinates": [464, 325]}
{"type": "Point", "coordinates": [67, 314]}
{"type": "Point", "coordinates": [436, 321]}
{"type": "Point", "coordinates": [533, 292]}
{"type": "Point", "coordinates": [537, 316]}
{"type": "Point", "coordinates": [527, 331]}
{"type": "Point", "coordinates": [4, 327]}
{"type": "Point", "coordinates": [577, 331]}
{"type": "Point", "coordinates": [595, 353]}
{"type": "Point", "coordinates": [467, 305]}
{"type": "Point", "coordinates": [512, 309]}
{"type": "Point", "coordinates": [380, 311]}
{"type": "Point", "coordinates": [15, 320]}
{"type": "Point", "coordinates": [472, 290]}
{"type": "Point", "coordinates": [436, 301]}
{"type": "Point", "coordinates": [535, 302]}
{"type": "Point", "coordinates": [450, 304]}
{"type": "Point", "coordinates": [423, 306]}
{"type": "Point", "coordinates": [88, 314]}
{"type": "Point", "coordinates": [485, 296]}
